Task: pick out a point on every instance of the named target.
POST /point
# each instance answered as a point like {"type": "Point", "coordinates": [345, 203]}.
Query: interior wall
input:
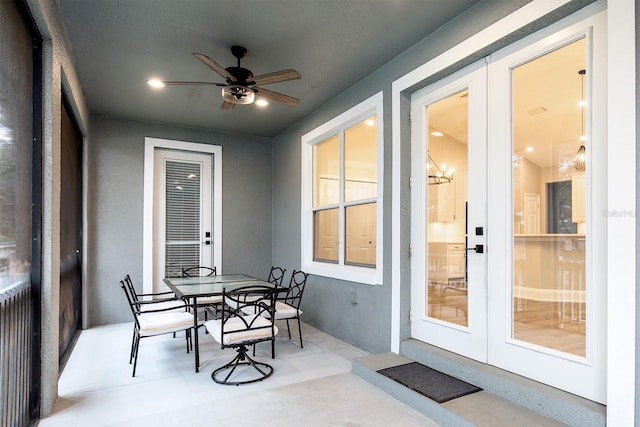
{"type": "Point", "coordinates": [327, 304]}
{"type": "Point", "coordinates": [116, 202]}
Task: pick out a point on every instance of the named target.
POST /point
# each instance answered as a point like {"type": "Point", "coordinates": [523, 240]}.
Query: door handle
{"type": "Point", "coordinates": [478, 248]}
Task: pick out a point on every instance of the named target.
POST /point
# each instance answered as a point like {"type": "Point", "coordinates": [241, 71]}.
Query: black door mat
{"type": "Point", "coordinates": [428, 382]}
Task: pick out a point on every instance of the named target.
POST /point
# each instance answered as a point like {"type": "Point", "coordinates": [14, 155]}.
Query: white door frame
{"type": "Point", "coordinates": [150, 145]}
{"type": "Point", "coordinates": [621, 132]}
{"type": "Point", "coordinates": [470, 341]}
{"type": "Point", "coordinates": [204, 162]}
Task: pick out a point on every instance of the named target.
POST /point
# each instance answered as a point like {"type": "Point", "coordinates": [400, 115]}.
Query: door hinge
{"type": "Point", "coordinates": [410, 182]}
{"type": "Point", "coordinates": [410, 116]}
{"type": "Point", "coordinates": [410, 315]}
{"type": "Point", "coordinates": [410, 250]}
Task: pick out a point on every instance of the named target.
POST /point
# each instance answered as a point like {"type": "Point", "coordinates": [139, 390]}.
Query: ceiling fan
{"type": "Point", "coordinates": [241, 85]}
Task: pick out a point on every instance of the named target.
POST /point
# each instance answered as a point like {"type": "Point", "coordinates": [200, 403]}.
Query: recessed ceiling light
{"type": "Point", "coordinates": [155, 83]}
{"type": "Point", "coordinates": [262, 102]}
{"type": "Point", "coordinates": [370, 122]}
{"type": "Point", "coordinates": [436, 133]}
{"type": "Point", "coordinates": [529, 149]}
{"type": "Point", "coordinates": [582, 103]}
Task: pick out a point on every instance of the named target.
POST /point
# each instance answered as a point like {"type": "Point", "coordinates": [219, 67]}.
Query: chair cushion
{"type": "Point", "coordinates": [165, 322]}
{"type": "Point", "coordinates": [283, 311]}
{"type": "Point", "coordinates": [286, 311]}
{"type": "Point", "coordinates": [243, 334]}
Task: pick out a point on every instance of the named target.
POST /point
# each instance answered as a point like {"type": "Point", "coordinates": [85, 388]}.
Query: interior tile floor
{"type": "Point", "coordinates": [310, 386]}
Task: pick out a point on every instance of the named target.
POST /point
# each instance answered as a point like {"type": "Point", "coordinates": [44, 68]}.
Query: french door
{"type": "Point", "coordinates": [205, 158]}
{"type": "Point", "coordinates": [507, 181]}
{"type": "Point", "coordinates": [448, 202]}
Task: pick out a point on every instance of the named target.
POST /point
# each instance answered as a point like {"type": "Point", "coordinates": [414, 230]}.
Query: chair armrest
{"type": "Point", "coordinates": [156, 301]}
{"type": "Point", "coordinates": [156, 294]}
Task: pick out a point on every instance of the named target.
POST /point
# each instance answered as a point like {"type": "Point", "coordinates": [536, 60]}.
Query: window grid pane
{"type": "Point", "coordinates": [325, 235]}
{"type": "Point", "coordinates": [361, 161]}
{"type": "Point", "coordinates": [326, 172]}
{"type": "Point", "coordinates": [360, 229]}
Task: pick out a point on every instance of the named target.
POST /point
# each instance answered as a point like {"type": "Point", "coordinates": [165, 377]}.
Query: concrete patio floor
{"type": "Point", "coordinates": [312, 386]}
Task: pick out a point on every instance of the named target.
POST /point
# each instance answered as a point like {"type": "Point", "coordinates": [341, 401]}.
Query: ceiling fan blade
{"type": "Point", "coordinates": [275, 77]}
{"type": "Point", "coordinates": [275, 96]}
{"type": "Point", "coordinates": [174, 83]}
{"type": "Point", "coordinates": [215, 66]}
{"type": "Point", "coordinates": [226, 105]}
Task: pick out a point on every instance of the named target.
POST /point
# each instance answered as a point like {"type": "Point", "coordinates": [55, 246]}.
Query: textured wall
{"type": "Point", "coordinates": [327, 302]}
{"type": "Point", "coordinates": [115, 200]}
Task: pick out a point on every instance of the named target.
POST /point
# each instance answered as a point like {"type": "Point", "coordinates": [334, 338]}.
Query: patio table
{"type": "Point", "coordinates": [192, 288]}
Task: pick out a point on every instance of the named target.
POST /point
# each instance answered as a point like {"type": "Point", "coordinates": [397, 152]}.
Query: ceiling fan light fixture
{"type": "Point", "coordinates": [237, 94]}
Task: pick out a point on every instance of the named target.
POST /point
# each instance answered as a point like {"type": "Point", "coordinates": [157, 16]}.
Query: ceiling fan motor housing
{"type": "Point", "coordinates": [242, 75]}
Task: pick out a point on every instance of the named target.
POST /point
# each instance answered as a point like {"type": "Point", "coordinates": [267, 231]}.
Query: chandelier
{"type": "Point", "coordinates": [438, 175]}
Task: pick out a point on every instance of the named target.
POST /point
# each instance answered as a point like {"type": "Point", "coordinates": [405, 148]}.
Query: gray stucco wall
{"type": "Point", "coordinates": [326, 304]}
{"type": "Point", "coordinates": [115, 204]}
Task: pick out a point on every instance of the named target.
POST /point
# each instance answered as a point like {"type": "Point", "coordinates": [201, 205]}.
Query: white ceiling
{"type": "Point", "coordinates": [119, 44]}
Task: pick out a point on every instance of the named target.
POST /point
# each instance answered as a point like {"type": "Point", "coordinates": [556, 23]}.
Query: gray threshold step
{"type": "Point", "coordinates": [494, 406]}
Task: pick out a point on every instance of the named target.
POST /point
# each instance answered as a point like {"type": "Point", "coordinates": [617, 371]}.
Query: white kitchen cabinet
{"type": "Point", "coordinates": [441, 203]}
{"type": "Point", "coordinates": [578, 196]}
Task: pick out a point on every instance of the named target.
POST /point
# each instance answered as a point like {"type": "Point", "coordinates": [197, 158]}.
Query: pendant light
{"type": "Point", "coordinates": [438, 175]}
{"type": "Point", "coordinates": [579, 159]}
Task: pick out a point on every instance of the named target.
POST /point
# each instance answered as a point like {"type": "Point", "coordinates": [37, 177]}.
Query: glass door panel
{"type": "Point", "coordinates": [549, 223]}
{"type": "Point", "coordinates": [447, 166]}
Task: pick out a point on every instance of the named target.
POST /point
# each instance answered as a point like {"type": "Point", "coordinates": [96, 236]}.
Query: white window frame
{"type": "Point", "coordinates": [340, 270]}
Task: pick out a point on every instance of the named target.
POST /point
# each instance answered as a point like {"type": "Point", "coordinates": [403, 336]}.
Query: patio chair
{"type": "Point", "coordinates": [214, 303]}
{"type": "Point", "coordinates": [166, 299]}
{"type": "Point", "coordinates": [276, 275]}
{"type": "Point", "coordinates": [239, 330]}
{"type": "Point", "coordinates": [153, 322]}
{"type": "Point", "coordinates": [288, 307]}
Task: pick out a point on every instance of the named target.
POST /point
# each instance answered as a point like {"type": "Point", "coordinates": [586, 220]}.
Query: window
{"type": "Point", "coordinates": [16, 149]}
{"type": "Point", "coordinates": [342, 195]}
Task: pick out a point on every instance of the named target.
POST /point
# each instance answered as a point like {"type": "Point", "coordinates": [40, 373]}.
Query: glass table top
{"type": "Point", "coordinates": [187, 287]}
{"type": "Point", "coordinates": [224, 278]}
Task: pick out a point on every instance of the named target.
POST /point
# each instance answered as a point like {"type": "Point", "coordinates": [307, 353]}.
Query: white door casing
{"type": "Point", "coordinates": [470, 341]}
{"type": "Point", "coordinates": [151, 145]}
{"type": "Point", "coordinates": [584, 376]}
